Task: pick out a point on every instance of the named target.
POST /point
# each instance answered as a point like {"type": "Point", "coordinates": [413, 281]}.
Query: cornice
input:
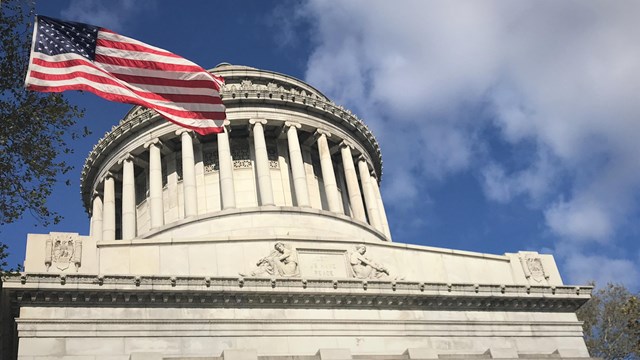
{"type": "Point", "coordinates": [166, 291]}
{"type": "Point", "coordinates": [240, 91]}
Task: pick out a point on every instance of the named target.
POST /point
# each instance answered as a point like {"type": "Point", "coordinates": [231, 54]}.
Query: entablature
{"type": "Point", "coordinates": [39, 289]}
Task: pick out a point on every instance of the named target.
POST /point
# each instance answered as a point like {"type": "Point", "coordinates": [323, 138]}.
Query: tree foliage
{"type": "Point", "coordinates": [611, 323]}
{"type": "Point", "coordinates": [36, 127]}
{"type": "Point", "coordinates": [632, 310]}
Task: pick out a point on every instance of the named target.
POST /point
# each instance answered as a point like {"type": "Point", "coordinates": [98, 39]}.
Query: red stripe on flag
{"type": "Point", "coordinates": [65, 63]}
{"type": "Point", "coordinates": [144, 64]}
{"type": "Point", "coordinates": [133, 47]}
{"type": "Point", "coordinates": [149, 80]}
{"type": "Point", "coordinates": [134, 79]}
{"type": "Point", "coordinates": [194, 115]}
{"type": "Point", "coordinates": [181, 98]}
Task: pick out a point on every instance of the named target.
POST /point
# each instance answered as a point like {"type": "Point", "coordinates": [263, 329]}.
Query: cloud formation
{"type": "Point", "coordinates": [451, 82]}
{"type": "Point", "coordinates": [113, 14]}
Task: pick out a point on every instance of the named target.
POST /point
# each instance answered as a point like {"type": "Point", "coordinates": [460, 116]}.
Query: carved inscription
{"type": "Point", "coordinates": [323, 263]}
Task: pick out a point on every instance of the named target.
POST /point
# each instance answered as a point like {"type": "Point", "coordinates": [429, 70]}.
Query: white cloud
{"type": "Point", "coordinates": [580, 220]}
{"type": "Point", "coordinates": [581, 269]}
{"type": "Point", "coordinates": [113, 14]}
{"type": "Point", "coordinates": [536, 180]}
{"type": "Point", "coordinates": [432, 77]}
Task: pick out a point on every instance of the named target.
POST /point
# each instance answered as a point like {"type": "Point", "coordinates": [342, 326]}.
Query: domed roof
{"type": "Point", "coordinates": [244, 87]}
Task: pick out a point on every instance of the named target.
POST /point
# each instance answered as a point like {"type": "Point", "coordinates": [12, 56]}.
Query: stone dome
{"type": "Point", "coordinates": [137, 182]}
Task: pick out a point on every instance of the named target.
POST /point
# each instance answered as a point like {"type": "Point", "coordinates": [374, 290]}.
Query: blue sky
{"type": "Point", "coordinates": [504, 126]}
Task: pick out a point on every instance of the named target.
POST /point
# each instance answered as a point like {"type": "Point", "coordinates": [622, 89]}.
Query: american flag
{"type": "Point", "coordinates": [77, 56]}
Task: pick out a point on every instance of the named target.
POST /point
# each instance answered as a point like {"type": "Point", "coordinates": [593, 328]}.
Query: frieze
{"type": "Point", "coordinates": [49, 278]}
{"type": "Point", "coordinates": [42, 289]}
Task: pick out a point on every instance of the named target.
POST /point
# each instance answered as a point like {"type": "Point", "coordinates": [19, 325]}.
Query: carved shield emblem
{"type": "Point", "coordinates": [534, 265]}
{"type": "Point", "coordinates": [63, 249]}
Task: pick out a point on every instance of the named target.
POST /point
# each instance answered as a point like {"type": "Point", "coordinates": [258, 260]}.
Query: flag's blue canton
{"type": "Point", "coordinates": [54, 37]}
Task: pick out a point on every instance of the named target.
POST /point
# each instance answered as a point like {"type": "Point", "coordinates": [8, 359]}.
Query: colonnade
{"type": "Point", "coordinates": [371, 210]}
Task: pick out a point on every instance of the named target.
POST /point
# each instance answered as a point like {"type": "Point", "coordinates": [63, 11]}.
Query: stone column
{"type": "Point", "coordinates": [297, 165]}
{"type": "Point", "coordinates": [188, 174]}
{"type": "Point", "coordinates": [262, 162]}
{"type": "Point", "coordinates": [156, 208]}
{"type": "Point", "coordinates": [369, 197]}
{"type": "Point", "coordinates": [328, 175]}
{"type": "Point", "coordinates": [109, 213]}
{"type": "Point", "coordinates": [128, 199]}
{"type": "Point", "coordinates": [199, 173]}
{"type": "Point", "coordinates": [351, 177]}
{"type": "Point", "coordinates": [96, 218]}
{"type": "Point", "coordinates": [227, 189]}
{"type": "Point", "coordinates": [381, 211]}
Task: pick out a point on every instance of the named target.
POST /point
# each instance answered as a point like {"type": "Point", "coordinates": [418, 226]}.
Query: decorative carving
{"type": "Point", "coordinates": [77, 254]}
{"type": "Point", "coordinates": [246, 85]}
{"type": "Point", "coordinates": [240, 154]}
{"type": "Point", "coordinates": [365, 268]}
{"type": "Point", "coordinates": [210, 159]}
{"type": "Point", "coordinates": [272, 155]}
{"type": "Point", "coordinates": [533, 268]}
{"type": "Point", "coordinates": [48, 253]}
{"type": "Point", "coordinates": [282, 261]}
{"type": "Point", "coordinates": [63, 249]}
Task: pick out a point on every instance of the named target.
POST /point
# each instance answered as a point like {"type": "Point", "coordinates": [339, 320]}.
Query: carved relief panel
{"type": "Point", "coordinates": [287, 261]}
{"type": "Point", "coordinates": [63, 250]}
{"type": "Point", "coordinates": [533, 267]}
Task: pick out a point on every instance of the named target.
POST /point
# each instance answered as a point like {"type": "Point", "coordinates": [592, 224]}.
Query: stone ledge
{"type": "Point", "coordinates": [78, 289]}
{"type": "Point", "coordinates": [204, 324]}
{"type": "Point", "coordinates": [260, 210]}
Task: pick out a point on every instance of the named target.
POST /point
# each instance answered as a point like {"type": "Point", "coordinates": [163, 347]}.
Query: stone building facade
{"type": "Point", "coordinates": [267, 241]}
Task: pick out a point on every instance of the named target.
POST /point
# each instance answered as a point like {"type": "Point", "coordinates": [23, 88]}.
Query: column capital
{"type": "Point", "coordinates": [321, 132]}
{"type": "Point", "coordinates": [126, 157]}
{"type": "Point", "coordinates": [345, 144]}
{"type": "Point", "coordinates": [258, 121]}
{"type": "Point", "coordinates": [181, 131]}
{"type": "Point", "coordinates": [227, 126]}
{"type": "Point", "coordinates": [95, 194]}
{"type": "Point", "coordinates": [108, 175]}
{"type": "Point", "coordinates": [288, 124]}
{"type": "Point", "coordinates": [155, 142]}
